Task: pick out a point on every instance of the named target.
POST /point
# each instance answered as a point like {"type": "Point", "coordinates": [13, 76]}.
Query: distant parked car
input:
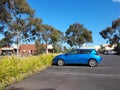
{"type": "Point", "coordinates": [78, 56]}
{"type": "Point", "coordinates": [110, 52]}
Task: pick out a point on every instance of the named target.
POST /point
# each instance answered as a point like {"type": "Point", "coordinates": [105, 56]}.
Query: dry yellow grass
{"type": "Point", "coordinates": [13, 68]}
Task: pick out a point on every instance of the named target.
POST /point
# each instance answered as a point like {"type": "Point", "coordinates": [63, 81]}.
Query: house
{"type": "Point", "coordinates": [29, 49]}
{"type": "Point", "coordinates": [24, 49]}
{"type": "Point", "coordinates": [107, 47]}
{"type": "Point", "coordinates": [91, 47]}
{"type": "Point", "coordinates": [7, 50]}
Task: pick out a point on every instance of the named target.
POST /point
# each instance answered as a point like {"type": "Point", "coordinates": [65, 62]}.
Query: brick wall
{"type": "Point", "coordinates": [27, 48]}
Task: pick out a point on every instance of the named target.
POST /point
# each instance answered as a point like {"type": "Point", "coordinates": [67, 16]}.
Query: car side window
{"type": "Point", "coordinates": [84, 51]}
{"type": "Point", "coordinates": [74, 52]}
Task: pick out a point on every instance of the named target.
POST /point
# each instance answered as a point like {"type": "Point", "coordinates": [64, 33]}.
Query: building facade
{"type": "Point", "coordinates": [24, 49]}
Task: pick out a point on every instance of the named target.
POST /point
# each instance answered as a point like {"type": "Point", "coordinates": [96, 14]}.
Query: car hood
{"type": "Point", "coordinates": [60, 55]}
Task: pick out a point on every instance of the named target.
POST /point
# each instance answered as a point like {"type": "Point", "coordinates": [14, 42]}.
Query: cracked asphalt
{"type": "Point", "coordinates": [106, 76]}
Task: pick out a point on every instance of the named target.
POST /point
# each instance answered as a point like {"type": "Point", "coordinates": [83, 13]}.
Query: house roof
{"type": "Point", "coordinates": [32, 46]}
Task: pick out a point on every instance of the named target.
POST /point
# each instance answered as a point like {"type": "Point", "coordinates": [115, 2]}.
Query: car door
{"type": "Point", "coordinates": [83, 56]}
{"type": "Point", "coordinates": [72, 57]}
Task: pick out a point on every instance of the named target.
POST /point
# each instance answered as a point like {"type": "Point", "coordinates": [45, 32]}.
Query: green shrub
{"type": "Point", "coordinates": [13, 68]}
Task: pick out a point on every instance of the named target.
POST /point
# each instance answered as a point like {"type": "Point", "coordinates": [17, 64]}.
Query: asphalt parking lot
{"type": "Point", "coordinates": [105, 76]}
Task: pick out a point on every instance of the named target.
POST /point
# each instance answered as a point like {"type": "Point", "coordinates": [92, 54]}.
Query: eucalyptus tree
{"type": "Point", "coordinates": [36, 29]}
{"type": "Point", "coordinates": [50, 35]}
{"type": "Point", "coordinates": [36, 34]}
{"type": "Point", "coordinates": [77, 35]}
{"type": "Point", "coordinates": [57, 38]}
{"type": "Point", "coordinates": [39, 47]}
{"type": "Point", "coordinates": [5, 18]}
{"type": "Point", "coordinates": [112, 33]}
{"type": "Point", "coordinates": [5, 13]}
{"type": "Point", "coordinates": [20, 14]}
{"type": "Point", "coordinates": [46, 35]}
{"type": "Point", "coordinates": [4, 42]}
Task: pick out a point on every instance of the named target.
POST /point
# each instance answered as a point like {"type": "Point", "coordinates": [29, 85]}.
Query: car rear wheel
{"type": "Point", "coordinates": [92, 63]}
{"type": "Point", "coordinates": [60, 62]}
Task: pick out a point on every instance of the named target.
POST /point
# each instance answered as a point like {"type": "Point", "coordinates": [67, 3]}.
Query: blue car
{"type": "Point", "coordinates": [78, 56]}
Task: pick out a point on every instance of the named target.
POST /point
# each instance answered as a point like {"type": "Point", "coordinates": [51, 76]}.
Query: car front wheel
{"type": "Point", "coordinates": [60, 62]}
{"type": "Point", "coordinates": [92, 63]}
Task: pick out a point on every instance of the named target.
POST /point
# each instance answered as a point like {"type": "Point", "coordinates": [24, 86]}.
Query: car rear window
{"type": "Point", "coordinates": [84, 51]}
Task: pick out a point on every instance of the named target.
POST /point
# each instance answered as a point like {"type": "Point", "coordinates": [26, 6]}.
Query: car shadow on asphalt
{"type": "Point", "coordinates": [81, 65]}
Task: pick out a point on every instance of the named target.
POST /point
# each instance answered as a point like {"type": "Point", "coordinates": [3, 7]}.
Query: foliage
{"type": "Point", "coordinates": [57, 48]}
{"type": "Point", "coordinates": [46, 35]}
{"type": "Point", "coordinates": [50, 35]}
{"type": "Point", "coordinates": [5, 16]}
{"type": "Point", "coordinates": [36, 29]}
{"type": "Point", "coordinates": [112, 33]}
{"type": "Point", "coordinates": [77, 35]}
{"type": "Point", "coordinates": [65, 49]}
{"type": "Point", "coordinates": [35, 34]}
{"type": "Point", "coordinates": [39, 47]}
{"type": "Point", "coordinates": [4, 42]}
{"type": "Point", "coordinates": [17, 23]}
{"type": "Point", "coordinates": [12, 10]}
{"type": "Point", "coordinates": [14, 68]}
{"type": "Point", "coordinates": [57, 39]}
{"type": "Point", "coordinates": [20, 14]}
{"type": "Point", "coordinates": [102, 49]}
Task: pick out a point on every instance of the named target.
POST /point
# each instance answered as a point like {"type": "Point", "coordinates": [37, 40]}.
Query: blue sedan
{"type": "Point", "coordinates": [79, 56]}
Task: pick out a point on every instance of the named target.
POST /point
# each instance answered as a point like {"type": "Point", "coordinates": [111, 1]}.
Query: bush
{"type": "Point", "coordinates": [13, 68]}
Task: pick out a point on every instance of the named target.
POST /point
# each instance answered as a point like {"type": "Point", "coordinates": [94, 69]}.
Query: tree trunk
{"type": "Point", "coordinates": [46, 48]}
{"type": "Point", "coordinates": [18, 49]}
{"type": "Point", "coordinates": [18, 40]}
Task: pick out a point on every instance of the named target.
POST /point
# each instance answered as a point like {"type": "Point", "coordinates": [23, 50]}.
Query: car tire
{"type": "Point", "coordinates": [60, 62]}
{"type": "Point", "coordinates": [92, 63]}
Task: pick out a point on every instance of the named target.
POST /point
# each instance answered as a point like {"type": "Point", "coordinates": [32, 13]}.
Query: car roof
{"type": "Point", "coordinates": [85, 49]}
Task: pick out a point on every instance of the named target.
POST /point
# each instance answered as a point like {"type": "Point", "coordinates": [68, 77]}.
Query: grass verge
{"type": "Point", "coordinates": [14, 69]}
